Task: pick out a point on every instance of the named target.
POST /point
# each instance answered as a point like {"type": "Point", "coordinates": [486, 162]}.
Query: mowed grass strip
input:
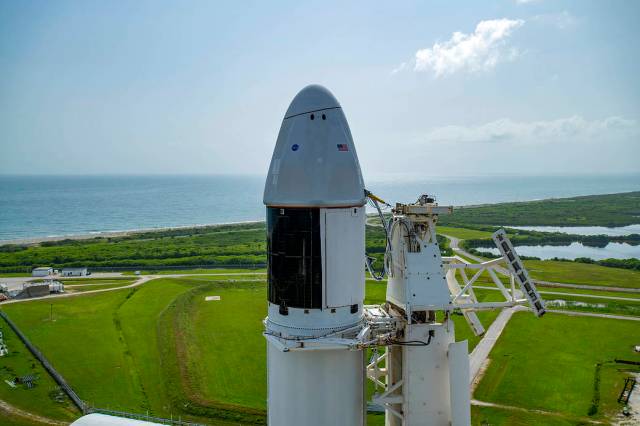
{"type": "Point", "coordinates": [549, 363]}
{"type": "Point", "coordinates": [226, 352]}
{"type": "Point", "coordinates": [136, 318]}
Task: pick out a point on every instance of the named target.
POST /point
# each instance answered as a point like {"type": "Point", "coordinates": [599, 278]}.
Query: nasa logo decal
{"type": "Point", "coordinates": [295, 147]}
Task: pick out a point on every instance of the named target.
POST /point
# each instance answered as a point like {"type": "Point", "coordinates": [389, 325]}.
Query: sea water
{"type": "Point", "coordinates": [43, 206]}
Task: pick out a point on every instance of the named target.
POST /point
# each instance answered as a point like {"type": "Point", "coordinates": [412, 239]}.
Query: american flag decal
{"type": "Point", "coordinates": [343, 147]}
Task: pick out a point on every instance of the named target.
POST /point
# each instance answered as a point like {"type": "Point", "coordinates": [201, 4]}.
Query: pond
{"type": "Point", "coordinates": [574, 250]}
{"type": "Point", "coordinates": [584, 230]}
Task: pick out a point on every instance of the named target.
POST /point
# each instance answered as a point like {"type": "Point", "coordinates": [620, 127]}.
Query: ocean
{"type": "Point", "coordinates": [53, 206]}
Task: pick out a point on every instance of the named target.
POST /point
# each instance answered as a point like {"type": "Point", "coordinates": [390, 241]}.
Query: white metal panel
{"type": "Point", "coordinates": [426, 376]}
{"type": "Point", "coordinates": [311, 322]}
{"type": "Point", "coordinates": [315, 388]}
{"type": "Point", "coordinates": [426, 284]}
{"type": "Point", "coordinates": [459, 384]}
{"type": "Point", "coordinates": [343, 258]}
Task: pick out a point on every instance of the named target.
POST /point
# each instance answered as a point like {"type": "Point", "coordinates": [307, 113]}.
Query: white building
{"type": "Point", "coordinates": [42, 271]}
{"type": "Point", "coordinates": [74, 272]}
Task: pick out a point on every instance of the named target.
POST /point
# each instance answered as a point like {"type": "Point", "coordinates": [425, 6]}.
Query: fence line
{"type": "Point", "coordinates": [47, 365]}
{"type": "Point", "coordinates": [144, 417]}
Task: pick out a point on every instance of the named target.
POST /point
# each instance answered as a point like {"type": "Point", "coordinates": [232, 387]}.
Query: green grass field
{"type": "Point", "coordinates": [224, 331]}
{"type": "Point", "coordinates": [162, 348]}
{"type": "Point", "coordinates": [463, 233]}
{"type": "Point", "coordinates": [485, 416]}
{"type": "Point", "coordinates": [39, 400]}
{"type": "Point", "coordinates": [550, 364]}
{"type": "Point", "coordinates": [582, 273]}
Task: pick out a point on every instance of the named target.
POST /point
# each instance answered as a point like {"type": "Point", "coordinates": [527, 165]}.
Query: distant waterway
{"type": "Point", "coordinates": [43, 206]}
{"type": "Point", "coordinates": [574, 250]}
{"type": "Point", "coordinates": [585, 230]}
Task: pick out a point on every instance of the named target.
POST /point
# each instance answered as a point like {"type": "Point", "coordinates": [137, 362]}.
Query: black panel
{"type": "Point", "coordinates": [294, 258]}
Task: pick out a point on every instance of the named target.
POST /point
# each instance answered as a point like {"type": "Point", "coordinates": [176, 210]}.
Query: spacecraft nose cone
{"type": "Point", "coordinates": [312, 98]}
{"type": "Point", "coordinates": [314, 163]}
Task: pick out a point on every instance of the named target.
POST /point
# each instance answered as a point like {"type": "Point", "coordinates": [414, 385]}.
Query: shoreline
{"type": "Point", "coordinates": [114, 234]}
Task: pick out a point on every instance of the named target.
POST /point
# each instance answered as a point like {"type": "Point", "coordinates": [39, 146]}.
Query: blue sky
{"type": "Point", "coordinates": [429, 88]}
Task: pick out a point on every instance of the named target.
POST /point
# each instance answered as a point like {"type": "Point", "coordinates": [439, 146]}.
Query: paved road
{"type": "Point", "coordinates": [141, 279]}
{"type": "Point", "coordinates": [454, 243]}
{"type": "Point", "coordinates": [15, 283]}
{"type": "Point", "coordinates": [138, 282]}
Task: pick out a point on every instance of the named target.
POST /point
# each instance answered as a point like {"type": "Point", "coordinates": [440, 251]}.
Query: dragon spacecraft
{"type": "Point", "coordinates": [315, 201]}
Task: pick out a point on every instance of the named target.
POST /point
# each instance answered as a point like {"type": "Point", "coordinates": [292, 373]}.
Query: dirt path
{"type": "Point", "coordinates": [527, 410]}
{"type": "Point", "coordinates": [5, 407]}
{"type": "Point", "coordinates": [592, 314]}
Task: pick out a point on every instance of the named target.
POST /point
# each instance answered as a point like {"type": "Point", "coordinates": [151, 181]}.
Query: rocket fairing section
{"type": "Point", "coordinates": [314, 196]}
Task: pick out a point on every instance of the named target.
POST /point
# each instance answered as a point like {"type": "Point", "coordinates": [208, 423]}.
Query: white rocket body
{"type": "Point", "coordinates": [315, 199]}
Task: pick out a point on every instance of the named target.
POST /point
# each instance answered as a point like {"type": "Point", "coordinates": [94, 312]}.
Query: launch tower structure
{"type": "Point", "coordinates": [319, 332]}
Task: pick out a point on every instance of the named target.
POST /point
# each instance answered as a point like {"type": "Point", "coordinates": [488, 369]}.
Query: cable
{"type": "Point", "coordinates": [412, 342]}
{"type": "Point", "coordinates": [374, 202]}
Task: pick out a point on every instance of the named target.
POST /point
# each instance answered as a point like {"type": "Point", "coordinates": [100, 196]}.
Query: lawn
{"type": "Point", "coordinates": [161, 347]}
{"type": "Point", "coordinates": [84, 345]}
{"type": "Point", "coordinates": [582, 273]}
{"type": "Point", "coordinates": [463, 233]}
{"type": "Point", "coordinates": [108, 345]}
{"type": "Point", "coordinates": [549, 364]}
{"type": "Point", "coordinates": [38, 400]}
{"type": "Point", "coordinates": [588, 304]}
{"type": "Point", "coordinates": [485, 416]}
{"type": "Point", "coordinates": [226, 331]}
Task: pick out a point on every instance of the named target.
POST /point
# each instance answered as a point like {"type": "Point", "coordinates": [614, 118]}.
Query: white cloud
{"type": "Point", "coordinates": [527, 1]}
{"type": "Point", "coordinates": [399, 68]}
{"type": "Point", "coordinates": [479, 51]}
{"type": "Point", "coordinates": [562, 20]}
{"type": "Point", "coordinates": [571, 130]}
